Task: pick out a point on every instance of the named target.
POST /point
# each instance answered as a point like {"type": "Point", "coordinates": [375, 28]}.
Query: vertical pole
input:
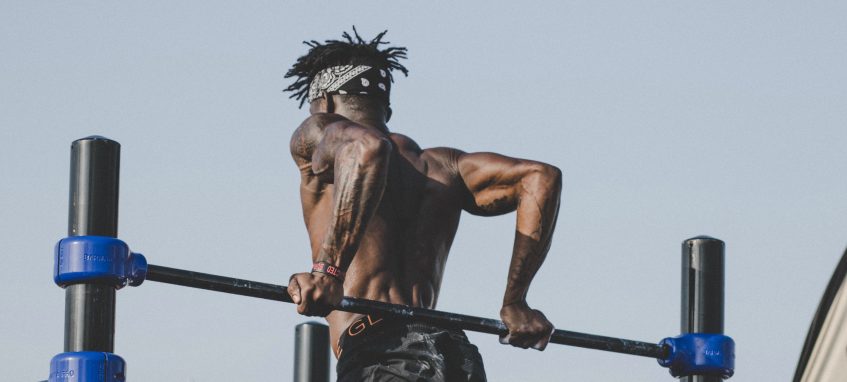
{"type": "Point", "coordinates": [311, 353]}
{"type": "Point", "coordinates": [93, 210]}
{"type": "Point", "coordinates": [702, 290]}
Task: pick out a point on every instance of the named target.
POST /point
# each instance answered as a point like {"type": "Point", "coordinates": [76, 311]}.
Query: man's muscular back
{"type": "Point", "coordinates": [387, 211]}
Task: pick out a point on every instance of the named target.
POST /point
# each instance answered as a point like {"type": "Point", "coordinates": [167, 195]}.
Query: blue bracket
{"type": "Point", "coordinates": [101, 259]}
{"type": "Point", "coordinates": [699, 354]}
{"type": "Point", "coordinates": [87, 366]}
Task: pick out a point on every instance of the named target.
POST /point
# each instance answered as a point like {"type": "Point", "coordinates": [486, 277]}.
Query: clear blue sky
{"type": "Point", "coordinates": [669, 120]}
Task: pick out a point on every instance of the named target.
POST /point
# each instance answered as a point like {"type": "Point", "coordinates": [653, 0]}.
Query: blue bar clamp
{"type": "Point", "coordinates": [101, 260]}
{"type": "Point", "coordinates": [699, 354]}
{"type": "Point", "coordinates": [97, 259]}
{"type": "Point", "coordinates": [87, 366]}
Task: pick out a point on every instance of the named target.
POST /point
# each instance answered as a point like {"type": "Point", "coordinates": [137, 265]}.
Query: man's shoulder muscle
{"type": "Point", "coordinates": [310, 132]}
{"type": "Point", "coordinates": [447, 157]}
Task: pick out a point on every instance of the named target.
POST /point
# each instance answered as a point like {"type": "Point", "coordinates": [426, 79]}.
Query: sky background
{"type": "Point", "coordinates": [669, 120]}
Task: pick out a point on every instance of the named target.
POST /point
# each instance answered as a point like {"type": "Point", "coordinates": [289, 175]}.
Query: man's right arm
{"type": "Point", "coordinates": [332, 150]}
{"type": "Point", "coordinates": [496, 185]}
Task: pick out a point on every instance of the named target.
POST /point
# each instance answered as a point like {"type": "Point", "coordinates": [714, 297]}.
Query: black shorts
{"type": "Point", "coordinates": [374, 349]}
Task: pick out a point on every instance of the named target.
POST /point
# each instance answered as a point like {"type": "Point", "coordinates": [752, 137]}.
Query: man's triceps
{"type": "Point", "coordinates": [360, 168]}
{"type": "Point", "coordinates": [490, 180]}
{"type": "Point", "coordinates": [497, 184]}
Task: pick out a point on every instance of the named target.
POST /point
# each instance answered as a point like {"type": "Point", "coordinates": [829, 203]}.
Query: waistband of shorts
{"type": "Point", "coordinates": [365, 327]}
{"type": "Point", "coordinates": [371, 327]}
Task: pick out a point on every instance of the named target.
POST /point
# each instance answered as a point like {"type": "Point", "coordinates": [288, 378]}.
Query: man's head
{"type": "Point", "coordinates": [351, 73]}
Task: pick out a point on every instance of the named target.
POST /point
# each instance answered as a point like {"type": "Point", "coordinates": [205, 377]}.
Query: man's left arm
{"type": "Point", "coordinates": [497, 185]}
{"type": "Point", "coordinates": [354, 159]}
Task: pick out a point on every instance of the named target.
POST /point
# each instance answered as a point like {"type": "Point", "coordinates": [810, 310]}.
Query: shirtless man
{"type": "Point", "coordinates": [381, 214]}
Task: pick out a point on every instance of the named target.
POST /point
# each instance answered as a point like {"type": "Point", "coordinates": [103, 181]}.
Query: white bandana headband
{"type": "Point", "coordinates": [350, 79]}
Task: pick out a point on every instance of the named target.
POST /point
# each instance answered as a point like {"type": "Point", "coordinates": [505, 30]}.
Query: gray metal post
{"type": "Point", "coordinates": [93, 210]}
{"type": "Point", "coordinates": [702, 290]}
{"type": "Point", "coordinates": [311, 352]}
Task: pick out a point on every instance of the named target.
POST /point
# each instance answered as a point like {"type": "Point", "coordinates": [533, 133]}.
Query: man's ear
{"type": "Point", "coordinates": [317, 106]}
{"type": "Point", "coordinates": [387, 113]}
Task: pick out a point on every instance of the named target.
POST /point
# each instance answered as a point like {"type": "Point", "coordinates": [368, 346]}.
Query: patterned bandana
{"type": "Point", "coordinates": [350, 79]}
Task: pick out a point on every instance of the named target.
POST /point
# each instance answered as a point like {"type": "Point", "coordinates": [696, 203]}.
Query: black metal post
{"type": "Point", "coordinates": [93, 210]}
{"type": "Point", "coordinates": [311, 352]}
{"type": "Point", "coordinates": [702, 290]}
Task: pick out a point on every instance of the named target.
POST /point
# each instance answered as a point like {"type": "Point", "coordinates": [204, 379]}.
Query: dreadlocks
{"type": "Point", "coordinates": [351, 50]}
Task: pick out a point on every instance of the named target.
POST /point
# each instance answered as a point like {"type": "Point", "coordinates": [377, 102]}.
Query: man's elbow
{"type": "Point", "coordinates": [544, 177]}
{"type": "Point", "coordinates": [555, 175]}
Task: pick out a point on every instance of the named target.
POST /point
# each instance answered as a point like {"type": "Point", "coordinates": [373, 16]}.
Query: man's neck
{"type": "Point", "coordinates": [365, 120]}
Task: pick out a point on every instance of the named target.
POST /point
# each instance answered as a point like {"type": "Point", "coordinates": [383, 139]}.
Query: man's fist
{"type": "Point", "coordinates": [315, 293]}
{"type": "Point", "coordinates": [527, 327]}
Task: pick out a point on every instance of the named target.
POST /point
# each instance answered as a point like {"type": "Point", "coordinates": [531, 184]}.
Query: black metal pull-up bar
{"type": "Point", "coordinates": [435, 317]}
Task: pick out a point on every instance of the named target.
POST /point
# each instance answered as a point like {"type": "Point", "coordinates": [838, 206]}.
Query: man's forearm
{"type": "Point", "coordinates": [537, 210]}
{"type": "Point", "coordinates": [360, 173]}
